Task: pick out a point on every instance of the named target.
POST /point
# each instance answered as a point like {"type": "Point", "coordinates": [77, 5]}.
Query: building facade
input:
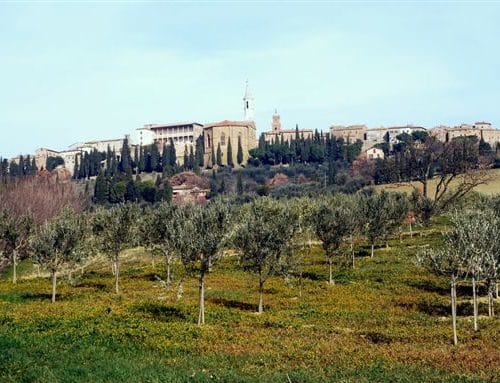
{"type": "Point", "coordinates": [278, 134]}
{"type": "Point", "coordinates": [221, 133]}
{"type": "Point", "coordinates": [372, 136]}
{"type": "Point", "coordinates": [481, 130]}
{"type": "Point", "coordinates": [182, 134]}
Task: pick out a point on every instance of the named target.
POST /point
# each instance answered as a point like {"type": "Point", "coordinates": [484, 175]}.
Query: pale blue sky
{"type": "Point", "coordinates": [71, 71]}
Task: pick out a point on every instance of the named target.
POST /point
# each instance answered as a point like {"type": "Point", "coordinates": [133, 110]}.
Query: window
{"type": "Point", "coordinates": [222, 139]}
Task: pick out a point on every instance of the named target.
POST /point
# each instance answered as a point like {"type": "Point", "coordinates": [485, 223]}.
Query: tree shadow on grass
{"type": "Point", "coordinates": [91, 285]}
{"type": "Point", "coordinates": [444, 289]}
{"type": "Point", "coordinates": [233, 304]}
{"type": "Point", "coordinates": [312, 276]}
{"type": "Point", "coordinates": [31, 296]}
{"type": "Point", "coordinates": [437, 308]}
{"type": "Point", "coordinates": [161, 312]}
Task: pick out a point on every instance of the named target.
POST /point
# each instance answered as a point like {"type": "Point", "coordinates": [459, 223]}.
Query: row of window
{"type": "Point", "coordinates": [176, 130]}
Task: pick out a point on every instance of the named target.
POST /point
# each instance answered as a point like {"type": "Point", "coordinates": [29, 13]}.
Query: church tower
{"type": "Point", "coordinates": [276, 125]}
{"type": "Point", "coordinates": [248, 104]}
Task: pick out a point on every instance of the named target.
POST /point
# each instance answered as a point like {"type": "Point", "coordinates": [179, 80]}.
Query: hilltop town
{"type": "Point", "coordinates": [242, 136]}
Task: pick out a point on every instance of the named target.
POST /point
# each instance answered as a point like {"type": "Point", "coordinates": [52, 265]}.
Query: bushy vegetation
{"type": "Point", "coordinates": [335, 287]}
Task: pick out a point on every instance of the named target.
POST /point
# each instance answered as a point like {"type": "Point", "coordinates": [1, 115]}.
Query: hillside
{"type": "Point", "coordinates": [490, 188]}
{"type": "Point", "coordinates": [386, 320]}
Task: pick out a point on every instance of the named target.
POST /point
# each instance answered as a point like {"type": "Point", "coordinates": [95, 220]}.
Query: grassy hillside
{"type": "Point", "coordinates": [384, 321]}
{"type": "Point", "coordinates": [492, 187]}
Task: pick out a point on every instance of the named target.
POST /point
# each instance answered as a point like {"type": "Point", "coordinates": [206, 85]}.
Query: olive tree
{"type": "Point", "coordinates": [160, 231]}
{"type": "Point", "coordinates": [397, 207]}
{"type": "Point", "coordinates": [14, 236]}
{"type": "Point", "coordinates": [376, 216]}
{"type": "Point", "coordinates": [115, 229]}
{"type": "Point", "coordinates": [59, 243]}
{"type": "Point", "coordinates": [463, 248]}
{"type": "Point", "coordinates": [329, 225]}
{"type": "Point", "coordinates": [475, 234]}
{"type": "Point", "coordinates": [304, 208]}
{"type": "Point", "coordinates": [265, 238]}
{"type": "Point", "coordinates": [203, 234]}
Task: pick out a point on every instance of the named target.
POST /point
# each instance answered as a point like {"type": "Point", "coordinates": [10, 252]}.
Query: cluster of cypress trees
{"type": "Point", "coordinates": [26, 166]}
{"type": "Point", "coordinates": [318, 149]}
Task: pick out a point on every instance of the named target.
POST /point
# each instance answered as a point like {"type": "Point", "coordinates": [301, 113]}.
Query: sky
{"type": "Point", "coordinates": [74, 71]}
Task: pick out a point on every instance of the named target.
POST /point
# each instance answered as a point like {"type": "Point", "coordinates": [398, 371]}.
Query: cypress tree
{"type": "Point", "coordinates": [76, 170]}
{"type": "Point", "coordinates": [21, 166]}
{"type": "Point", "coordinates": [219, 155]}
{"type": "Point", "coordinates": [239, 155]}
{"type": "Point", "coordinates": [230, 161]}
{"type": "Point", "coordinates": [101, 189]}
{"type": "Point", "coordinates": [239, 184]}
{"type": "Point", "coordinates": [108, 162]}
{"type": "Point", "coordinates": [135, 164]}
{"type": "Point", "coordinates": [13, 169]}
{"type": "Point", "coordinates": [165, 160]}
{"type": "Point", "coordinates": [131, 194]}
{"type": "Point", "coordinates": [212, 159]}
{"type": "Point", "coordinates": [200, 151]}
{"type": "Point", "coordinates": [186, 158]}
{"type": "Point", "coordinates": [191, 158]}
{"type": "Point", "coordinates": [141, 163]}
{"type": "Point", "coordinates": [125, 165]}
{"type": "Point", "coordinates": [167, 191]}
{"type": "Point", "coordinates": [155, 159]}
{"type": "Point", "coordinates": [173, 155]}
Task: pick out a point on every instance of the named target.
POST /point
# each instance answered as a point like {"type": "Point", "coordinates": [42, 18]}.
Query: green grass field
{"type": "Point", "coordinates": [385, 321]}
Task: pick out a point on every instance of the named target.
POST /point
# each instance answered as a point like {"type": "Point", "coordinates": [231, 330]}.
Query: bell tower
{"type": "Point", "coordinates": [276, 125]}
{"type": "Point", "coordinates": [248, 104]}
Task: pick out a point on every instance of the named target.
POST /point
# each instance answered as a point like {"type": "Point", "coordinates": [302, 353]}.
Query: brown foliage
{"type": "Point", "coordinates": [43, 197]}
{"type": "Point", "coordinates": [189, 179]}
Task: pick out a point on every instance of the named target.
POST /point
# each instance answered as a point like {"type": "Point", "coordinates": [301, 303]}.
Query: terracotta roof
{"type": "Point", "coordinates": [230, 123]}
{"type": "Point", "coordinates": [292, 131]}
{"type": "Point", "coordinates": [171, 125]}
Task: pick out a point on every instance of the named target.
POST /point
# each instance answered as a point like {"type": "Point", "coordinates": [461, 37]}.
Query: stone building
{"type": "Point", "coordinates": [182, 134]}
{"type": "Point", "coordinates": [372, 136]}
{"type": "Point", "coordinates": [41, 156]}
{"type": "Point", "coordinates": [278, 134]}
{"type": "Point", "coordinates": [374, 153]}
{"type": "Point", "coordinates": [101, 145]}
{"type": "Point", "coordinates": [351, 133]}
{"type": "Point", "coordinates": [482, 130]}
{"type": "Point", "coordinates": [221, 132]}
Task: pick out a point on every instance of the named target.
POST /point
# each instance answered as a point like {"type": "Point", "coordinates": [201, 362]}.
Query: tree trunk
{"type": "Point", "coordinates": [491, 286]}
{"type": "Point", "coordinates": [14, 269]}
{"type": "Point", "coordinates": [454, 311]}
{"type": "Point", "coordinates": [424, 187]}
{"type": "Point", "coordinates": [330, 267]}
{"type": "Point", "coordinates": [116, 267]}
{"type": "Point", "coordinates": [54, 283]}
{"type": "Point", "coordinates": [261, 293]}
{"type": "Point", "coordinates": [153, 260]}
{"type": "Point", "coordinates": [201, 304]}
{"type": "Point", "coordinates": [352, 253]}
{"type": "Point", "coordinates": [373, 247]}
{"type": "Point", "coordinates": [168, 270]}
{"type": "Point", "coordinates": [411, 232]}
{"type": "Point", "coordinates": [300, 284]}
{"type": "Point", "coordinates": [474, 302]}
{"type": "Point", "coordinates": [496, 290]}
